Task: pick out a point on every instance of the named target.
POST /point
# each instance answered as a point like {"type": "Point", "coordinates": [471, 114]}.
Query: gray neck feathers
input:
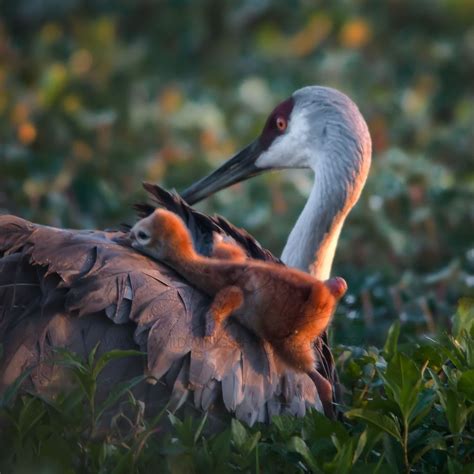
{"type": "Point", "coordinates": [312, 242]}
{"type": "Point", "coordinates": [341, 168]}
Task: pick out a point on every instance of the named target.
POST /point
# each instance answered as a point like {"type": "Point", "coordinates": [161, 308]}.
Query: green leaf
{"type": "Point", "coordinates": [402, 379]}
{"type": "Point", "coordinates": [93, 352]}
{"type": "Point", "coordinates": [72, 400]}
{"type": "Point", "coordinates": [361, 442]}
{"type": "Point", "coordinates": [257, 460]}
{"type": "Point", "coordinates": [108, 357]}
{"type": "Point", "coordinates": [31, 412]}
{"type": "Point", "coordinates": [12, 390]}
{"type": "Point", "coordinates": [174, 420]}
{"type": "Point", "coordinates": [464, 318]}
{"type": "Point", "coordinates": [422, 408]}
{"type": "Point", "coordinates": [118, 392]}
{"type": "Point", "coordinates": [390, 347]}
{"type": "Point", "coordinates": [433, 441]}
{"type": "Point", "coordinates": [221, 446]}
{"type": "Point", "coordinates": [374, 435]}
{"type": "Point", "coordinates": [125, 463]}
{"type": "Point", "coordinates": [86, 383]}
{"type": "Point", "coordinates": [383, 422]}
{"type": "Point", "coordinates": [466, 384]}
{"type": "Point", "coordinates": [342, 461]}
{"type": "Point", "coordinates": [251, 443]}
{"type": "Point", "coordinates": [392, 453]}
{"type": "Point", "coordinates": [69, 359]}
{"type": "Point", "coordinates": [297, 445]}
{"type": "Point", "coordinates": [318, 426]}
{"type": "Point", "coordinates": [453, 404]}
{"type": "Point", "coordinates": [429, 353]}
{"type": "Point", "coordinates": [199, 429]}
{"type": "Point", "coordinates": [452, 351]}
{"type": "Point", "coordinates": [239, 433]}
{"type": "Point", "coordinates": [456, 411]}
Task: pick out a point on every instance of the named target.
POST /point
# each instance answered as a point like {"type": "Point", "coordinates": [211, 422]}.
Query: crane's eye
{"type": "Point", "coordinates": [281, 123]}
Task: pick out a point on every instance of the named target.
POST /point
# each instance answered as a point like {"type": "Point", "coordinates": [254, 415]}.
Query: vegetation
{"type": "Point", "coordinates": [96, 97]}
{"type": "Point", "coordinates": [408, 410]}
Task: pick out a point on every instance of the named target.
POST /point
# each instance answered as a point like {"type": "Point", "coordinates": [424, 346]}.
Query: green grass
{"type": "Point", "coordinates": [408, 408]}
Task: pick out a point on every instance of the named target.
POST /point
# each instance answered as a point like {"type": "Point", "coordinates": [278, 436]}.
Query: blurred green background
{"type": "Point", "coordinates": [98, 96]}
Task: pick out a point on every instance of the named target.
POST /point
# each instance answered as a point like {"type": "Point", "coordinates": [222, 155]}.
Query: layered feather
{"type": "Point", "coordinates": [75, 288]}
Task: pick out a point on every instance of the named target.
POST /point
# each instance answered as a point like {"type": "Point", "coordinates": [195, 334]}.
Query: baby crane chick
{"type": "Point", "coordinates": [284, 306]}
{"type": "Point", "coordinates": [227, 251]}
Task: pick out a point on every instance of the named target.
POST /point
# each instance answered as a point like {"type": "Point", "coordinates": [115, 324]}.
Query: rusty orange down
{"type": "Point", "coordinates": [284, 306]}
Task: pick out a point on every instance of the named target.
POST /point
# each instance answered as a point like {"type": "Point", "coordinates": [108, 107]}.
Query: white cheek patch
{"type": "Point", "coordinates": [291, 149]}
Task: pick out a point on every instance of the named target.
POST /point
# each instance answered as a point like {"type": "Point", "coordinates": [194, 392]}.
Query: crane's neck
{"type": "Point", "coordinates": [312, 243]}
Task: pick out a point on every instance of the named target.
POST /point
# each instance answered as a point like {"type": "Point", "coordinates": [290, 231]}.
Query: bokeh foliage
{"type": "Point", "coordinates": [97, 96]}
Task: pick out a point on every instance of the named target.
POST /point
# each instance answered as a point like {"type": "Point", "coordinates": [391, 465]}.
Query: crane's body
{"type": "Point", "coordinates": [73, 289]}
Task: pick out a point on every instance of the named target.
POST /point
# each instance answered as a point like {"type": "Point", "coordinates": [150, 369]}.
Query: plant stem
{"type": "Point", "coordinates": [405, 445]}
{"type": "Point", "coordinates": [92, 409]}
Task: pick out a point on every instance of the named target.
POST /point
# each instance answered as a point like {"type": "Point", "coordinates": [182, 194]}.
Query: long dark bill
{"type": "Point", "coordinates": [238, 168]}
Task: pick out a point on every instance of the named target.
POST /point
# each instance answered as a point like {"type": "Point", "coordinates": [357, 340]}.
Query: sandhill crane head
{"type": "Point", "coordinates": [317, 128]}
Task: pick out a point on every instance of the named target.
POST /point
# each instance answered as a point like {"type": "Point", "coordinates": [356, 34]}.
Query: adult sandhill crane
{"type": "Point", "coordinates": [75, 288]}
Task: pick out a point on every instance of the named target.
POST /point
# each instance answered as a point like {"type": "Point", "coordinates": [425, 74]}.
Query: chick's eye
{"type": "Point", "coordinates": [281, 124]}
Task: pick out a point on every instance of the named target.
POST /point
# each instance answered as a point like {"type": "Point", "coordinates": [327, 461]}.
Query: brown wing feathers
{"type": "Point", "coordinates": [77, 288]}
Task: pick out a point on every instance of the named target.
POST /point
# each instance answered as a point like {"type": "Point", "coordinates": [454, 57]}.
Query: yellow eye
{"type": "Point", "coordinates": [281, 123]}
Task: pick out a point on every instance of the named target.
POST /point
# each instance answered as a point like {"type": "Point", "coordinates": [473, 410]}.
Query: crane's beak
{"type": "Point", "coordinates": [238, 168]}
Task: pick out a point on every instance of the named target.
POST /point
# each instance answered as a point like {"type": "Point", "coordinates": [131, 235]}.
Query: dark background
{"type": "Point", "coordinates": [98, 96]}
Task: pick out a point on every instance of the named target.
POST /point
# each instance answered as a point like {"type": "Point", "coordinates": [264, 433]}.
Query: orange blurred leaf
{"type": "Point", "coordinates": [170, 99]}
{"type": "Point", "coordinates": [26, 133]}
{"type": "Point", "coordinates": [314, 32]}
{"type": "Point", "coordinates": [355, 33]}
